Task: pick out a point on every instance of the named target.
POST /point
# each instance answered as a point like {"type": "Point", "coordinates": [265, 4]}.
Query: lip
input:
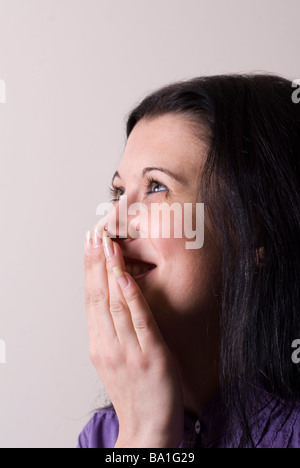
{"type": "Point", "coordinates": [137, 260]}
{"type": "Point", "coordinates": [143, 275]}
{"type": "Point", "coordinates": [128, 260]}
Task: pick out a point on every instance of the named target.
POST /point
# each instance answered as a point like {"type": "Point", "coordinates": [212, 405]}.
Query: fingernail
{"type": "Point", "coordinates": [108, 246]}
{"type": "Point", "coordinates": [97, 238]}
{"type": "Point", "coordinates": [121, 278]}
{"type": "Point", "coordinates": [88, 238]}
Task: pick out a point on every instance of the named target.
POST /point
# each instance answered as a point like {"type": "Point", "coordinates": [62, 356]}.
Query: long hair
{"type": "Point", "coordinates": [250, 188]}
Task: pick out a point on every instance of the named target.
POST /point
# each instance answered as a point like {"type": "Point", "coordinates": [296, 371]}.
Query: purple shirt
{"type": "Point", "coordinates": [274, 423]}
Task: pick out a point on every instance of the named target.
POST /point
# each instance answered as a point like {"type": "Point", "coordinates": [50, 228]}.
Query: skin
{"type": "Point", "coordinates": [155, 341]}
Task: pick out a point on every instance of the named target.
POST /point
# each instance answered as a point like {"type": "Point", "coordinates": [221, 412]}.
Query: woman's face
{"type": "Point", "coordinates": [183, 287]}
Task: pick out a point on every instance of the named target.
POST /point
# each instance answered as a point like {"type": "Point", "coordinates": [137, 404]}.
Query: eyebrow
{"type": "Point", "coordinates": [155, 168]}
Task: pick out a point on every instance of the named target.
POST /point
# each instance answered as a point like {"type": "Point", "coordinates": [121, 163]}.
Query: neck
{"type": "Point", "coordinates": [198, 391]}
{"type": "Point", "coordinates": [197, 360]}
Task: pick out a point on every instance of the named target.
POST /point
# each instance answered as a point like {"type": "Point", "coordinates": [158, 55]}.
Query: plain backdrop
{"type": "Point", "coordinates": [73, 69]}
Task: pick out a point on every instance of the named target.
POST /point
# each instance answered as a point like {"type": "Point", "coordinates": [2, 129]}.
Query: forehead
{"type": "Point", "coordinates": [169, 140]}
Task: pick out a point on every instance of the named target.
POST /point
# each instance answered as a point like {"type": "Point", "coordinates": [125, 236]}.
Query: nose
{"type": "Point", "coordinates": [119, 221]}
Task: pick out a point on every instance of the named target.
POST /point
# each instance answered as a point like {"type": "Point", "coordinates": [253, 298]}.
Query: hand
{"type": "Point", "coordinates": [129, 353]}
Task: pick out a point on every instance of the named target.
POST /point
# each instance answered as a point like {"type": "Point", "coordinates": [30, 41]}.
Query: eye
{"type": "Point", "coordinates": [155, 186]}
{"type": "Point", "coordinates": [116, 193]}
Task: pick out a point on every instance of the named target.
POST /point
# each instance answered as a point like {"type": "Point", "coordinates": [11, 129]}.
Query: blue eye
{"type": "Point", "coordinates": [153, 187]}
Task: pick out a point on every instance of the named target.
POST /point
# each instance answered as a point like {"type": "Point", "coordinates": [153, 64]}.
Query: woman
{"type": "Point", "coordinates": [194, 346]}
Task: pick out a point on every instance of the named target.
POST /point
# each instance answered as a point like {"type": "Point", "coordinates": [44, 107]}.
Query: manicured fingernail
{"type": "Point", "coordinates": [121, 278]}
{"type": "Point", "coordinates": [108, 246]}
{"type": "Point", "coordinates": [88, 238]}
{"type": "Point", "coordinates": [97, 238]}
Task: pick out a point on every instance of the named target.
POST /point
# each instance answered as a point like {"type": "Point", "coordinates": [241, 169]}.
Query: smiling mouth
{"type": "Point", "coordinates": [138, 269]}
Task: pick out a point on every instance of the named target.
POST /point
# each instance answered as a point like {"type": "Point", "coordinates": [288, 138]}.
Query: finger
{"type": "Point", "coordinates": [100, 226]}
{"type": "Point", "coordinates": [118, 306]}
{"type": "Point", "coordinates": [145, 326]}
{"type": "Point", "coordinates": [100, 324]}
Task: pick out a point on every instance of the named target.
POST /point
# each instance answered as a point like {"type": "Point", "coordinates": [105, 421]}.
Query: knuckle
{"type": "Point", "coordinates": [116, 307]}
{"type": "Point", "coordinates": [132, 295]}
{"type": "Point", "coordinates": [95, 297]}
{"type": "Point", "coordinates": [111, 360]}
{"type": "Point", "coordinates": [142, 323]}
{"type": "Point", "coordinates": [139, 362]}
{"type": "Point", "coordinates": [88, 262]}
{"type": "Point", "coordinates": [108, 362]}
{"type": "Point", "coordinates": [92, 259]}
{"type": "Point", "coordinates": [104, 358]}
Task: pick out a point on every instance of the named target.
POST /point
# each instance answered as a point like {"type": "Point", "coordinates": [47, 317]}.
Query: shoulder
{"type": "Point", "coordinates": [101, 431]}
{"type": "Point", "coordinates": [277, 424]}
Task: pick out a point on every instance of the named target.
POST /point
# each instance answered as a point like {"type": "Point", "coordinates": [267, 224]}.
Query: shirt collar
{"type": "Point", "coordinates": [211, 426]}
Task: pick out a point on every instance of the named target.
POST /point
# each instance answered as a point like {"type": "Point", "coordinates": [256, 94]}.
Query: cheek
{"type": "Point", "coordinates": [186, 278]}
{"type": "Point", "coordinates": [183, 276]}
{"type": "Point", "coordinates": [188, 283]}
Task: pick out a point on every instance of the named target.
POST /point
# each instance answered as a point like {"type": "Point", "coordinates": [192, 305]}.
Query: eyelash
{"type": "Point", "coordinates": [114, 190]}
